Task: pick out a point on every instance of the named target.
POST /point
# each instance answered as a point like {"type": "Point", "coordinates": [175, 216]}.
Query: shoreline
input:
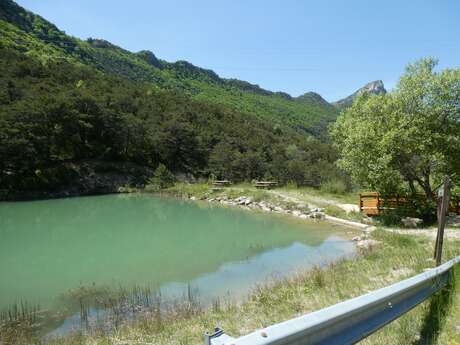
{"type": "Point", "coordinates": [268, 203]}
{"type": "Point", "coordinates": [386, 258]}
{"type": "Point", "coordinates": [394, 258]}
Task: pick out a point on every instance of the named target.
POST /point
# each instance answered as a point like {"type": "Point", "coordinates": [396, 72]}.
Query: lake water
{"type": "Point", "coordinates": [49, 249]}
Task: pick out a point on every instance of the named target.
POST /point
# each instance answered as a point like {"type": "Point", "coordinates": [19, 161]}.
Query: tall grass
{"type": "Point", "coordinates": [334, 186]}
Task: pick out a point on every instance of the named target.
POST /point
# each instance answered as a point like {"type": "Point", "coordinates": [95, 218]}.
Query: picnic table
{"type": "Point", "coordinates": [265, 184]}
{"type": "Point", "coordinates": [220, 184]}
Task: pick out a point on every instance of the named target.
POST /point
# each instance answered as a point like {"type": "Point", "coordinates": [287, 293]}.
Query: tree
{"type": "Point", "coordinates": [221, 160]}
{"type": "Point", "coordinates": [162, 178]}
{"type": "Point", "coordinates": [406, 139]}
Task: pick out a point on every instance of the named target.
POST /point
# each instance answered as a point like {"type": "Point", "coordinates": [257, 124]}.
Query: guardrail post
{"type": "Point", "coordinates": [443, 208]}
{"type": "Point", "coordinates": [218, 332]}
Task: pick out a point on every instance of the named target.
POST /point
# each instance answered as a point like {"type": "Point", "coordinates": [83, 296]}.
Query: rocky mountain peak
{"type": "Point", "coordinates": [374, 87]}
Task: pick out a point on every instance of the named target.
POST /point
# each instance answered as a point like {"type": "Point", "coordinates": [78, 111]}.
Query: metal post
{"type": "Point", "coordinates": [217, 334]}
{"type": "Point", "coordinates": [444, 193]}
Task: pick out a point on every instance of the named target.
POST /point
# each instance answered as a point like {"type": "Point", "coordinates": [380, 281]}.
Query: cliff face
{"type": "Point", "coordinates": [374, 87]}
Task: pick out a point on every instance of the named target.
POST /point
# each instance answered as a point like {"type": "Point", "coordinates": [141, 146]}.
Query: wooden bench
{"type": "Point", "coordinates": [265, 184]}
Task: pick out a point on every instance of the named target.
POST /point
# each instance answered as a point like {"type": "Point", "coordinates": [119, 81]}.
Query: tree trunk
{"type": "Point", "coordinates": [412, 187]}
{"type": "Point", "coordinates": [427, 187]}
{"type": "Point", "coordinates": [425, 184]}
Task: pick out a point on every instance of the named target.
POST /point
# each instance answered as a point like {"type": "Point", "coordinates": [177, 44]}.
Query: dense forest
{"type": "Point", "coordinates": [85, 116]}
{"type": "Point", "coordinates": [61, 123]}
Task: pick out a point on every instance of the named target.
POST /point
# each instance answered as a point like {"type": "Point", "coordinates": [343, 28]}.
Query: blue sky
{"type": "Point", "coordinates": [330, 47]}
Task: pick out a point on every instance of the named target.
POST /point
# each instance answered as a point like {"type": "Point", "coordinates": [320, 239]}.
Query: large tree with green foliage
{"type": "Point", "coordinates": [406, 139]}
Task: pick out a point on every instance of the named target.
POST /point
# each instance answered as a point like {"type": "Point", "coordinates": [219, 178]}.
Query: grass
{"type": "Point", "coordinates": [304, 194]}
{"type": "Point", "coordinates": [336, 211]}
{"type": "Point", "coordinates": [204, 190]}
{"type": "Point", "coordinates": [395, 257]}
{"type": "Point", "coordinates": [449, 330]}
{"type": "Point", "coordinates": [312, 194]}
{"type": "Point", "coordinates": [181, 189]}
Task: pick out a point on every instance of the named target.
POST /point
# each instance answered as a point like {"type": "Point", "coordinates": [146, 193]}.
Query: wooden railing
{"type": "Point", "coordinates": [372, 204]}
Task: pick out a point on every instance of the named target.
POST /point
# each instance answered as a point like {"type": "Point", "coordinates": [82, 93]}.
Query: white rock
{"type": "Point", "coordinates": [411, 222]}
{"type": "Point", "coordinates": [317, 215]}
{"type": "Point", "coordinates": [318, 209]}
{"type": "Point", "coordinates": [296, 213]}
{"type": "Point", "coordinates": [366, 244]}
{"type": "Point", "coordinates": [248, 201]}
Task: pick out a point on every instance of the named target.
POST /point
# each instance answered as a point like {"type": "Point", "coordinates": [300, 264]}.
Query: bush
{"type": "Point", "coordinates": [334, 186]}
{"type": "Point", "coordinates": [162, 178]}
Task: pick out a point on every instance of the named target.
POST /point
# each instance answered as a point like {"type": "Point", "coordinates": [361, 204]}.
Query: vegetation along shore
{"type": "Point", "coordinates": [391, 258]}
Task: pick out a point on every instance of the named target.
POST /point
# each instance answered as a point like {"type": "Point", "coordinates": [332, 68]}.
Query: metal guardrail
{"type": "Point", "coordinates": [350, 321]}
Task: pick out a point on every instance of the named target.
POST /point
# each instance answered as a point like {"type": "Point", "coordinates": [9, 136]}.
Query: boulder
{"type": "Point", "coordinates": [367, 244]}
{"type": "Point", "coordinates": [409, 222]}
{"type": "Point", "coordinates": [317, 215]}
{"type": "Point", "coordinates": [296, 213]}
{"type": "Point", "coordinates": [318, 209]}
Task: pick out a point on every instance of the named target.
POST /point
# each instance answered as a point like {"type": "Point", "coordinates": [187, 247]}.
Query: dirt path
{"type": "Point", "coordinates": [431, 232]}
{"type": "Point", "coordinates": [314, 201]}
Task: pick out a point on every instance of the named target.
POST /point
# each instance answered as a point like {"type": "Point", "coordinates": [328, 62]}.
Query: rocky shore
{"type": "Point", "coordinates": [299, 210]}
{"type": "Point", "coordinates": [246, 202]}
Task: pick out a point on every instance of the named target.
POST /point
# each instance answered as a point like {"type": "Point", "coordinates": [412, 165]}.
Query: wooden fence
{"type": "Point", "coordinates": [372, 204]}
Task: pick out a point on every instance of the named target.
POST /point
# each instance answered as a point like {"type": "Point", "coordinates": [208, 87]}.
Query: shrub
{"type": "Point", "coordinates": [162, 178]}
{"type": "Point", "coordinates": [334, 186]}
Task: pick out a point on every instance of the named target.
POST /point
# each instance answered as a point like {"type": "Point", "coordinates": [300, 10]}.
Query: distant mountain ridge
{"type": "Point", "coordinates": [375, 87]}
{"type": "Point", "coordinates": [29, 33]}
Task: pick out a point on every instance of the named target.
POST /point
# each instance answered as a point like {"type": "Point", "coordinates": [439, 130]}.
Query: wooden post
{"type": "Point", "coordinates": [443, 208]}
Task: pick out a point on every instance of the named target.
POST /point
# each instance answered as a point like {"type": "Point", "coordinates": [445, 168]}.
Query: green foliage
{"type": "Point", "coordinates": [405, 140]}
{"type": "Point", "coordinates": [162, 178]}
{"type": "Point", "coordinates": [55, 115]}
{"type": "Point", "coordinates": [26, 32]}
{"type": "Point", "coordinates": [64, 101]}
{"type": "Point", "coordinates": [334, 186]}
{"type": "Point", "coordinates": [186, 190]}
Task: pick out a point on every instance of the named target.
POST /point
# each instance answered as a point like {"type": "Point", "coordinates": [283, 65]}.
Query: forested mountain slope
{"type": "Point", "coordinates": [69, 130]}
{"type": "Point", "coordinates": [31, 34]}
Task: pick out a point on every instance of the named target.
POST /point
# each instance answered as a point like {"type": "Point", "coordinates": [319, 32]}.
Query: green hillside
{"type": "Point", "coordinates": [70, 130]}
{"type": "Point", "coordinates": [30, 34]}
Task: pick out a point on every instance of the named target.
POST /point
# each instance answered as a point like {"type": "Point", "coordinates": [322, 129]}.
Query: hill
{"type": "Point", "coordinates": [26, 32]}
{"type": "Point", "coordinates": [374, 87]}
{"type": "Point", "coordinates": [69, 129]}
